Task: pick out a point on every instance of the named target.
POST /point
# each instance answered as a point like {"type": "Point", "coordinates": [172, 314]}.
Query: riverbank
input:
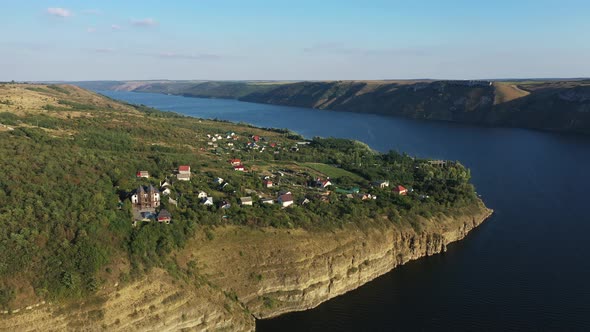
{"type": "Point", "coordinates": [243, 274]}
{"type": "Point", "coordinates": [557, 106]}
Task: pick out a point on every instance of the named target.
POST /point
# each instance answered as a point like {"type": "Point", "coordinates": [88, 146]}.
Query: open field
{"type": "Point", "coordinates": [333, 172]}
{"type": "Point", "coordinates": [507, 92]}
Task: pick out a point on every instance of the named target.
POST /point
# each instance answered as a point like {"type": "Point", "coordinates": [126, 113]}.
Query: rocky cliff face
{"type": "Point", "coordinates": [157, 302]}
{"type": "Point", "coordinates": [282, 271]}
{"type": "Point", "coordinates": [245, 273]}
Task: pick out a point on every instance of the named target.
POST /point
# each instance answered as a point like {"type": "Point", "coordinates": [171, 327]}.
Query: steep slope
{"type": "Point", "coordinates": [261, 273]}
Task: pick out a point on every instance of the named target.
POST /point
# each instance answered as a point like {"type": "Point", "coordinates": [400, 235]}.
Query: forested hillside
{"type": "Point", "coordinates": [68, 164]}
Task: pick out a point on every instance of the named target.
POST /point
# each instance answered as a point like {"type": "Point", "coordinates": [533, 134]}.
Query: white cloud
{"type": "Point", "coordinates": [91, 30]}
{"type": "Point", "coordinates": [61, 12]}
{"type": "Point", "coordinates": [146, 22]}
{"type": "Point", "coordinates": [116, 27]}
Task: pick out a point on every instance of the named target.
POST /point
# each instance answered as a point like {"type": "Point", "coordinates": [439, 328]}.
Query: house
{"type": "Point", "coordinates": [400, 190]}
{"type": "Point", "coordinates": [143, 174]}
{"type": "Point", "coordinates": [208, 201]}
{"type": "Point", "coordinates": [145, 198]}
{"type": "Point", "coordinates": [235, 162]}
{"type": "Point", "coordinates": [184, 169]}
{"type": "Point", "coordinates": [285, 200]}
{"type": "Point", "coordinates": [267, 183]}
{"type": "Point", "coordinates": [224, 205]}
{"type": "Point", "coordinates": [183, 177]}
{"type": "Point", "coordinates": [172, 201]}
{"type": "Point", "coordinates": [349, 196]}
{"type": "Point", "coordinates": [246, 201]}
{"type": "Point", "coordinates": [437, 163]}
{"type": "Point", "coordinates": [164, 216]}
{"type": "Point", "coordinates": [272, 145]}
{"type": "Point", "coordinates": [364, 197]}
{"type": "Point", "coordinates": [218, 180]}
{"type": "Point", "coordinates": [381, 184]}
{"type": "Point", "coordinates": [239, 168]}
{"type": "Point", "coordinates": [256, 138]}
{"type": "Point", "coordinates": [268, 201]}
{"type": "Point", "coordinates": [305, 201]}
{"type": "Point", "coordinates": [202, 195]}
{"type": "Point", "coordinates": [166, 191]}
{"type": "Point", "coordinates": [165, 184]}
{"type": "Point", "coordinates": [323, 183]}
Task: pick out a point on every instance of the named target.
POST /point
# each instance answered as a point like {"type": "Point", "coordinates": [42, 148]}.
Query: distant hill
{"type": "Point", "coordinates": [547, 105]}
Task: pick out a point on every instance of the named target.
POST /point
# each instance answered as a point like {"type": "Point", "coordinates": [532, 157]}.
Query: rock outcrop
{"type": "Point", "coordinates": [245, 273]}
{"type": "Point", "coordinates": [279, 271]}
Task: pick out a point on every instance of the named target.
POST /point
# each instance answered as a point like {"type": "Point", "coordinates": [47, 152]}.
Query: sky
{"type": "Point", "coordinates": [293, 40]}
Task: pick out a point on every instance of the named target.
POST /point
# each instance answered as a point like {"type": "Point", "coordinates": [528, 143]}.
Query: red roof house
{"type": "Point", "coordinates": [235, 162]}
{"type": "Point", "coordinates": [400, 190]}
{"type": "Point", "coordinates": [267, 183]}
{"type": "Point", "coordinates": [184, 169]}
{"type": "Point", "coordinates": [256, 138]}
{"type": "Point", "coordinates": [143, 174]}
{"type": "Point", "coordinates": [239, 168]}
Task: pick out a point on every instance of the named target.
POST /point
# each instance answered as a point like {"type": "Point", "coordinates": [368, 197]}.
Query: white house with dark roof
{"type": "Point", "coordinates": [286, 199]}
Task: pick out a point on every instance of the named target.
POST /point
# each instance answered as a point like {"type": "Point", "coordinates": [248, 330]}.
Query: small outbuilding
{"type": "Point", "coordinates": [164, 216]}
{"type": "Point", "coordinates": [143, 174]}
{"type": "Point", "coordinates": [246, 201]}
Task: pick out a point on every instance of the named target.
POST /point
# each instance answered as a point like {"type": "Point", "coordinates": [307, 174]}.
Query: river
{"type": "Point", "coordinates": [527, 268]}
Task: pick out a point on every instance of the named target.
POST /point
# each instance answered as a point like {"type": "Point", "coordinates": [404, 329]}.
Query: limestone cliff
{"type": "Point", "coordinates": [279, 271]}
{"type": "Point", "coordinates": [244, 273]}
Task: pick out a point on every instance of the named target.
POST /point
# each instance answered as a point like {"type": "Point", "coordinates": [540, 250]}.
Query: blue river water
{"type": "Point", "coordinates": [527, 268]}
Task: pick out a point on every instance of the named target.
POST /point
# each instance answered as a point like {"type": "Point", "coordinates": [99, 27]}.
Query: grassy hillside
{"type": "Point", "coordinates": [548, 105]}
{"type": "Point", "coordinates": [506, 92]}
{"type": "Point", "coordinates": [69, 157]}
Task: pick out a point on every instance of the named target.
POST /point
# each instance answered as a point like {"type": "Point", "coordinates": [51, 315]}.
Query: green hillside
{"type": "Point", "coordinates": [69, 163]}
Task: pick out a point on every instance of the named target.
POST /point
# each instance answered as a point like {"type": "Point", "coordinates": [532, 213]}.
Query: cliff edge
{"type": "Point", "coordinates": [242, 273]}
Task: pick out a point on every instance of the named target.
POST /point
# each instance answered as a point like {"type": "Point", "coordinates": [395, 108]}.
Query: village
{"type": "Point", "coordinates": [282, 184]}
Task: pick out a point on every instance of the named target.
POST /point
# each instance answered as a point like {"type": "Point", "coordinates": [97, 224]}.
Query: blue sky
{"type": "Point", "coordinates": [293, 40]}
